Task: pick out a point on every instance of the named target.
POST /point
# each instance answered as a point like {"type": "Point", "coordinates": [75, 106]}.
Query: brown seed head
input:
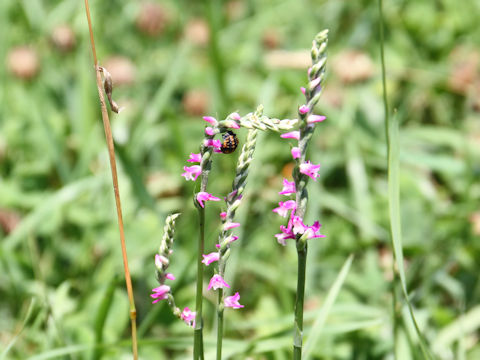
{"type": "Point", "coordinates": [63, 38]}
{"type": "Point", "coordinates": [195, 102]}
{"type": "Point", "coordinates": [23, 62]}
{"type": "Point", "coordinates": [464, 69]}
{"type": "Point", "coordinates": [152, 19]}
{"type": "Point", "coordinates": [122, 70]}
{"type": "Point", "coordinates": [271, 39]}
{"type": "Point", "coordinates": [197, 32]}
{"type": "Point", "coordinates": [235, 9]}
{"type": "Point", "coordinates": [475, 222]}
{"type": "Point", "coordinates": [9, 220]}
{"type": "Point", "coordinates": [352, 66]}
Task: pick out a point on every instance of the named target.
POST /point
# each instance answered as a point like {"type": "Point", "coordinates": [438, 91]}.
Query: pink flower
{"type": "Point", "coordinates": [204, 196]}
{"type": "Point", "coordinates": [188, 316]}
{"type": "Point", "coordinates": [160, 260]}
{"type": "Point", "coordinates": [217, 282]}
{"type": "Point", "coordinates": [230, 239]}
{"type": "Point", "coordinates": [303, 109]}
{"type": "Point", "coordinates": [230, 225]}
{"type": "Point", "coordinates": [296, 152]}
{"type": "Point", "coordinates": [169, 276]}
{"type": "Point", "coordinates": [192, 172]}
{"type": "Point", "coordinates": [288, 187]}
{"type": "Point", "coordinates": [309, 169]}
{"type": "Point", "coordinates": [315, 82]}
{"type": "Point", "coordinates": [231, 124]}
{"type": "Point", "coordinates": [231, 195]}
{"type": "Point", "coordinates": [286, 233]}
{"type": "Point", "coordinates": [298, 226]}
{"type": "Point", "coordinates": [223, 215]}
{"type": "Point", "coordinates": [235, 116]}
{"type": "Point", "coordinates": [284, 207]}
{"type": "Point", "coordinates": [213, 142]}
{"type": "Point", "coordinates": [315, 118]}
{"type": "Point", "coordinates": [160, 293]}
{"type": "Point", "coordinates": [232, 301]}
{"type": "Point", "coordinates": [216, 144]}
{"type": "Point", "coordinates": [291, 135]}
{"type": "Point", "coordinates": [314, 231]}
{"type": "Point", "coordinates": [302, 89]}
{"type": "Point", "coordinates": [209, 258]}
{"type": "Point", "coordinates": [281, 237]}
{"type": "Point", "coordinates": [195, 158]}
{"type": "Point", "coordinates": [310, 232]}
{"type": "Point", "coordinates": [209, 131]}
{"type": "Point", "coordinates": [211, 120]}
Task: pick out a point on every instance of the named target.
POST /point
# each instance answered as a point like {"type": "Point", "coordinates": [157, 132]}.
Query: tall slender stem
{"type": "Point", "coordinates": [205, 164]}
{"type": "Point", "coordinates": [233, 201]}
{"type": "Point", "coordinates": [396, 313]}
{"type": "Point", "coordinates": [384, 78]}
{"type": "Point", "coordinates": [298, 331]}
{"type": "Point", "coordinates": [220, 309]}
{"type": "Point", "coordinates": [316, 75]}
{"type": "Point", "coordinates": [113, 168]}
{"type": "Point", "coordinates": [198, 333]}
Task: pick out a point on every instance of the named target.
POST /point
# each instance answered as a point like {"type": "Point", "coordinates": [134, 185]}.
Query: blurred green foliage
{"type": "Point", "coordinates": [60, 260]}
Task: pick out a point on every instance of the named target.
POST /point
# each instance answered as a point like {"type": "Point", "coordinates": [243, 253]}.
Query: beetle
{"type": "Point", "coordinates": [230, 142]}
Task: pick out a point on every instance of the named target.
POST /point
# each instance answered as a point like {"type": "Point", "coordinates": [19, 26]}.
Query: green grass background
{"type": "Point", "coordinates": [61, 269]}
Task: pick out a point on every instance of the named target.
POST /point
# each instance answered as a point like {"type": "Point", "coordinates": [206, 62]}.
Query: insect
{"type": "Point", "coordinates": [230, 142]}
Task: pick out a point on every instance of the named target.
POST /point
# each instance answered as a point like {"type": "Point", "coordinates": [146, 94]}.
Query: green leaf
{"type": "Point", "coordinates": [315, 332]}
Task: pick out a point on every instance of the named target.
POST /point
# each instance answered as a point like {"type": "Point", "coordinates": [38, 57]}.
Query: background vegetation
{"type": "Point", "coordinates": [61, 280]}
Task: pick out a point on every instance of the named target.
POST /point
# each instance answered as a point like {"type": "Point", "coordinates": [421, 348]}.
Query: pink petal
{"type": "Point", "coordinates": [195, 158]}
{"type": "Point", "coordinates": [235, 116]}
{"type": "Point", "coordinates": [232, 124]}
{"type": "Point", "coordinates": [209, 258]}
{"type": "Point", "coordinates": [217, 282]}
{"type": "Point", "coordinates": [211, 120]}
{"type": "Point", "coordinates": [303, 109]}
{"type": "Point", "coordinates": [230, 225]}
{"type": "Point", "coordinates": [314, 83]}
{"type": "Point", "coordinates": [291, 135]}
{"type": "Point", "coordinates": [232, 301]}
{"type": "Point", "coordinates": [288, 187]}
{"type": "Point", "coordinates": [296, 152]}
{"type": "Point", "coordinates": [192, 172]}
{"type": "Point", "coordinates": [169, 276]}
{"type": "Point", "coordinates": [209, 131]}
{"type": "Point", "coordinates": [315, 118]}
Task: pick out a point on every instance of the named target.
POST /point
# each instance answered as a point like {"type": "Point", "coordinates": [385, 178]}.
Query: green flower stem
{"type": "Point", "coordinates": [298, 331]}
{"type": "Point", "coordinates": [206, 165]}
{"type": "Point", "coordinates": [233, 201]}
{"type": "Point", "coordinates": [220, 309]}
{"type": "Point", "coordinates": [198, 333]}
{"type": "Point", "coordinates": [312, 94]}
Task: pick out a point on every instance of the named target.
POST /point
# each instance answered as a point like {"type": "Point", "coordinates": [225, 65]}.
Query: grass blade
{"type": "Point", "coordinates": [393, 164]}
{"type": "Point", "coordinates": [324, 311]}
{"type": "Point", "coordinates": [17, 335]}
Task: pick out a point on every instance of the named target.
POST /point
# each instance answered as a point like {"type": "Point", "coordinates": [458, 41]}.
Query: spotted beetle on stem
{"type": "Point", "coordinates": [230, 142]}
